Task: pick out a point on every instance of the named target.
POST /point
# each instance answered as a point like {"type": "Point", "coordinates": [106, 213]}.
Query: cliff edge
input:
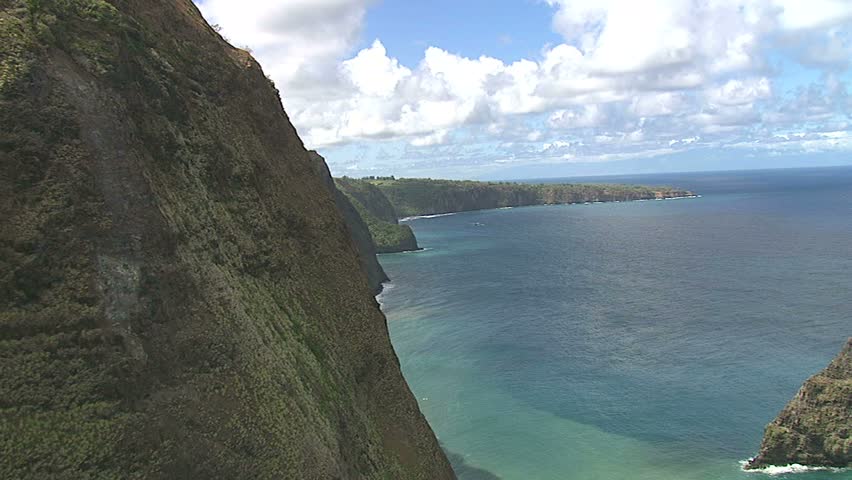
{"type": "Point", "coordinates": [358, 228]}
{"type": "Point", "coordinates": [179, 294]}
{"type": "Point", "coordinates": [815, 428]}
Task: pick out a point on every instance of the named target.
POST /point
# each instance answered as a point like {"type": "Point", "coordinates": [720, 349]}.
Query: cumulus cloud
{"type": "Point", "coordinates": [831, 50]}
{"type": "Point", "coordinates": [299, 41]}
{"type": "Point", "coordinates": [737, 92]}
{"type": "Point", "coordinates": [373, 73]}
{"type": "Point", "coordinates": [585, 117]}
{"type": "Point", "coordinates": [654, 75]}
{"type": "Point", "coordinates": [655, 104]}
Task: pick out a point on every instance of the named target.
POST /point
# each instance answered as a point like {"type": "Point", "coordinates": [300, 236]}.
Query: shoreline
{"type": "Point", "coordinates": [419, 250]}
{"type": "Point", "coordinates": [428, 216]}
{"type": "Point", "coordinates": [509, 207]}
{"type": "Point", "coordinates": [792, 469]}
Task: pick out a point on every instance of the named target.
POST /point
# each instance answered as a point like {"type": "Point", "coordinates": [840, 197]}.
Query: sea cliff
{"type": "Point", "coordinates": [180, 296]}
{"type": "Point", "coordinates": [815, 428]}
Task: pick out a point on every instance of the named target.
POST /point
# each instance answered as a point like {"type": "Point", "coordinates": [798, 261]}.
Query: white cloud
{"type": "Point", "coordinates": [657, 104]}
{"type": "Point", "coordinates": [557, 145]}
{"type": "Point", "coordinates": [807, 14]}
{"type": "Point", "coordinates": [534, 136]}
{"type": "Point", "coordinates": [299, 41]}
{"type": "Point", "coordinates": [831, 50]}
{"type": "Point", "coordinates": [633, 36]}
{"type": "Point", "coordinates": [655, 74]}
{"type": "Point", "coordinates": [373, 72]}
{"type": "Point", "coordinates": [436, 138]}
{"type": "Point", "coordinates": [585, 117]}
{"type": "Point", "coordinates": [739, 92]}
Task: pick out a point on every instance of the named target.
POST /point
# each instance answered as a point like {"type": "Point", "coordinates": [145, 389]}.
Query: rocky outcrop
{"type": "Point", "coordinates": [394, 238]}
{"type": "Point", "coordinates": [359, 229]}
{"type": "Point", "coordinates": [389, 236]}
{"type": "Point", "coordinates": [815, 428]}
{"type": "Point", "coordinates": [180, 296]}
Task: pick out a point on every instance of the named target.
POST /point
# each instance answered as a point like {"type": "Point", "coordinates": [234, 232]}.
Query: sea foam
{"type": "Point", "coordinates": [775, 470]}
{"type": "Point", "coordinates": [386, 287]}
{"type": "Point", "coordinates": [418, 217]}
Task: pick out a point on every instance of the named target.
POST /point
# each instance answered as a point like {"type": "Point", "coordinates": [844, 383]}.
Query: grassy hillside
{"type": "Point", "coordinates": [179, 294]}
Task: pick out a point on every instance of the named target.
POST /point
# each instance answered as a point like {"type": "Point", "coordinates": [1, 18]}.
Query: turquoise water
{"type": "Point", "coordinates": [644, 340]}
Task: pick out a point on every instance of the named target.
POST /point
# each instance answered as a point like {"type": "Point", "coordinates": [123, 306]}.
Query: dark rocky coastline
{"type": "Point", "coordinates": [815, 428]}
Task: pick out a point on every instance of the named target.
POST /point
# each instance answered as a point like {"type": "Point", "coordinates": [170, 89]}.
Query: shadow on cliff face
{"type": "Point", "coordinates": [468, 472]}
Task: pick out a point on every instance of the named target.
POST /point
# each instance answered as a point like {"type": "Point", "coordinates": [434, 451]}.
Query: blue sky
{"type": "Point", "coordinates": [523, 88]}
{"type": "Point", "coordinates": [510, 30]}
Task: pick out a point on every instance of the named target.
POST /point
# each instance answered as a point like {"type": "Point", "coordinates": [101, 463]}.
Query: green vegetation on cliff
{"type": "Point", "coordinates": [418, 196]}
{"type": "Point", "coordinates": [815, 428]}
{"type": "Point", "coordinates": [379, 215]}
{"type": "Point", "coordinates": [390, 237]}
{"type": "Point", "coordinates": [179, 294]}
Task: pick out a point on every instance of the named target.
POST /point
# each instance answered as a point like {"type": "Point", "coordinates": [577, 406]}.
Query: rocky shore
{"type": "Point", "coordinates": [815, 428]}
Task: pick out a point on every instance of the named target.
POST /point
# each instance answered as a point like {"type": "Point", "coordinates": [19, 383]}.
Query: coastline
{"type": "Point", "coordinates": [418, 250]}
{"type": "Point", "coordinates": [509, 207]}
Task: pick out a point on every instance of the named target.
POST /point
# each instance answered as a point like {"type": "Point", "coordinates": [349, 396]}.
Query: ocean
{"type": "Point", "coordinates": [642, 340]}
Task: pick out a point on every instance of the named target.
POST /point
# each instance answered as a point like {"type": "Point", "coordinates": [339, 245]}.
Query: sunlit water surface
{"type": "Point", "coordinates": [644, 340]}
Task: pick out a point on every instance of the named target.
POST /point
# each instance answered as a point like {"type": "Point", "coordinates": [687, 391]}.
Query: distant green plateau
{"type": "Point", "coordinates": [382, 201]}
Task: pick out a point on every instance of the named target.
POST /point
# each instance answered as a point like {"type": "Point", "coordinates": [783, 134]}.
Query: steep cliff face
{"type": "Point", "coordinates": [389, 236]}
{"type": "Point", "coordinates": [179, 294]}
{"type": "Point", "coordinates": [358, 228]}
{"type": "Point", "coordinates": [815, 428]}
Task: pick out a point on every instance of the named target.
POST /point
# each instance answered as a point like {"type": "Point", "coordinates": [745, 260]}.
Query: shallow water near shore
{"type": "Point", "coordinates": [639, 340]}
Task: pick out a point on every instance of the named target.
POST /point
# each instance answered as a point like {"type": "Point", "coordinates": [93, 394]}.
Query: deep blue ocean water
{"type": "Point", "coordinates": [644, 340]}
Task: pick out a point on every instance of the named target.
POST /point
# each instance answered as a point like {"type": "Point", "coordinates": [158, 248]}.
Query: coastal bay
{"type": "Point", "coordinates": [625, 340]}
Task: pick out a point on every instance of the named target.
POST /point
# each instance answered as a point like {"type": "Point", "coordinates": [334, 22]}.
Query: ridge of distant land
{"type": "Point", "coordinates": [382, 201]}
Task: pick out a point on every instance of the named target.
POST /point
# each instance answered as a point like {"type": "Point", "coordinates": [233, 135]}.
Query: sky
{"type": "Point", "coordinates": [506, 89]}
